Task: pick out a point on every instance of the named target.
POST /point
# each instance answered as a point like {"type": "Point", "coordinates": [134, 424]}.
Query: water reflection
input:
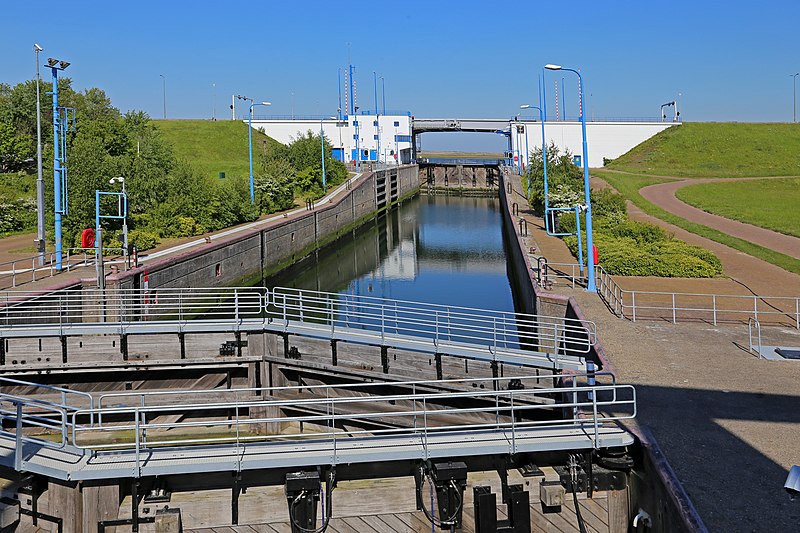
{"type": "Point", "coordinates": [437, 249]}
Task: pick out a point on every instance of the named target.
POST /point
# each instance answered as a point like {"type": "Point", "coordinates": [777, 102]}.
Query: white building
{"type": "Point", "coordinates": [363, 137]}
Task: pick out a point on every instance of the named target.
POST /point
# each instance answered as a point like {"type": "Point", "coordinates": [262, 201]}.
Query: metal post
{"type": "Point", "coordinates": [383, 94]}
{"type": "Point", "coordinates": [40, 233]}
{"type": "Point", "coordinates": [591, 287]}
{"type": "Point", "coordinates": [164, 90]}
{"type": "Point", "coordinates": [250, 145]}
{"type": "Point", "coordinates": [322, 145]}
{"type": "Point", "coordinates": [794, 96]}
{"type": "Point", "coordinates": [98, 243]}
{"type": "Point", "coordinates": [542, 116]}
{"type": "Point", "coordinates": [56, 171]}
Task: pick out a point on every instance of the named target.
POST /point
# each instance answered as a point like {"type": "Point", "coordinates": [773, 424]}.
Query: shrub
{"type": "Point", "coordinates": [144, 240]}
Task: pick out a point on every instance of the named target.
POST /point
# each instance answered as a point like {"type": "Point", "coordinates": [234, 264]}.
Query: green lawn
{"type": "Point", "coordinates": [629, 184]}
{"type": "Point", "coordinates": [213, 147]}
{"type": "Point", "coordinates": [773, 204]}
{"type": "Point", "coordinates": [717, 149]}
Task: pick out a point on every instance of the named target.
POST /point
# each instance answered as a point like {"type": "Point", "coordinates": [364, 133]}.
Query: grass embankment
{"type": "Point", "coordinates": [213, 146]}
{"type": "Point", "coordinates": [629, 184]}
{"type": "Point", "coordinates": [716, 149]}
{"type": "Point", "coordinates": [762, 203]}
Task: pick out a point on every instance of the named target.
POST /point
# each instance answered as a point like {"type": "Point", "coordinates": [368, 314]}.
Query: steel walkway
{"type": "Point", "coordinates": [142, 437]}
{"type": "Point", "coordinates": [513, 338]}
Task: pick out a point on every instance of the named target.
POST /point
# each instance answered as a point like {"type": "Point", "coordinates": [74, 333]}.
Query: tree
{"type": "Point", "coordinates": [14, 149]}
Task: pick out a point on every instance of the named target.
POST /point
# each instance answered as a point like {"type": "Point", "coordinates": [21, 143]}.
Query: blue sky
{"type": "Point", "coordinates": [729, 60]}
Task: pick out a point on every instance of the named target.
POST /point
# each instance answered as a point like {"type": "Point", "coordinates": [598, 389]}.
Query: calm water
{"type": "Point", "coordinates": [437, 249]}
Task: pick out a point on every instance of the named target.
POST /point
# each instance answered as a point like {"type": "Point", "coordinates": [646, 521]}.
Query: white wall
{"type": "Point", "coordinates": [604, 139]}
{"type": "Point", "coordinates": [341, 133]}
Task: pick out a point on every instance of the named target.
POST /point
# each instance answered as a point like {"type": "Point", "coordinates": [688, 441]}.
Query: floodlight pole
{"type": "Point", "coordinates": [591, 286]}
{"type": "Point", "coordinates": [322, 144]}
{"type": "Point", "coordinates": [59, 171]}
{"type": "Point", "coordinates": [40, 229]}
{"type": "Point", "coordinates": [250, 143]}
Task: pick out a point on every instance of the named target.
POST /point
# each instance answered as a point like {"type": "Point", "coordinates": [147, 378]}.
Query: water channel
{"type": "Point", "coordinates": [436, 249]}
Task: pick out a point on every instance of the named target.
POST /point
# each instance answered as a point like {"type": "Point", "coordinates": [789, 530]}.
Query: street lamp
{"type": "Point", "coordinates": [544, 159]}
{"type": "Point", "coordinates": [164, 91]}
{"type": "Point", "coordinates": [250, 138]}
{"type": "Point", "coordinates": [60, 128]}
{"type": "Point", "coordinates": [383, 94]}
{"type": "Point", "coordinates": [322, 144]}
{"type": "Point", "coordinates": [123, 211]}
{"type": "Point", "coordinates": [40, 233]}
{"type": "Point", "coordinates": [591, 286]}
{"type": "Point", "coordinates": [794, 96]}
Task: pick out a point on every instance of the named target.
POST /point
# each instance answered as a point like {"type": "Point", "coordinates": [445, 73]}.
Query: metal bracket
{"type": "Point", "coordinates": [302, 494]}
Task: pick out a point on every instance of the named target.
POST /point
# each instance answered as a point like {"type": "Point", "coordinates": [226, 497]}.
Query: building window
{"type": "Point", "coordinates": [376, 137]}
{"type": "Point", "coordinates": [396, 123]}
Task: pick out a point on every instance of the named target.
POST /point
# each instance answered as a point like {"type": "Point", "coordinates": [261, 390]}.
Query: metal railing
{"type": "Point", "coordinates": [322, 409]}
{"type": "Point", "coordinates": [25, 270]}
{"type": "Point", "coordinates": [754, 348]}
{"type": "Point", "coordinates": [113, 311]}
{"type": "Point", "coordinates": [715, 308]}
{"type": "Point", "coordinates": [441, 323]}
{"type": "Point", "coordinates": [304, 416]}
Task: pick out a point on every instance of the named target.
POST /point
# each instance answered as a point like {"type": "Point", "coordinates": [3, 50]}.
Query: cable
{"type": "Point", "coordinates": [330, 484]}
{"type": "Point", "coordinates": [573, 474]}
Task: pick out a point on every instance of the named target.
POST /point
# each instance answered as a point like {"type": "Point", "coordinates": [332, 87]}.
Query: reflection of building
{"type": "Point", "coordinates": [363, 137]}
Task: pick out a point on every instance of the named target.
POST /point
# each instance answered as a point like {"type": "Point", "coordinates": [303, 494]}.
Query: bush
{"type": "Point", "coordinates": [144, 240]}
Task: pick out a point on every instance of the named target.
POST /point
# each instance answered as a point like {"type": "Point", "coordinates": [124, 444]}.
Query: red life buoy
{"type": "Point", "coordinates": [87, 238]}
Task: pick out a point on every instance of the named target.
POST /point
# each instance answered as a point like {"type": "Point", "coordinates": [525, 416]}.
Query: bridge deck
{"type": "Point", "coordinates": [73, 464]}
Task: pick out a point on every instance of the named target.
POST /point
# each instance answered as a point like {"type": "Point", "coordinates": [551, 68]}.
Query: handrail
{"type": "Point", "coordinates": [629, 304]}
{"type": "Point", "coordinates": [217, 427]}
{"type": "Point", "coordinates": [140, 397]}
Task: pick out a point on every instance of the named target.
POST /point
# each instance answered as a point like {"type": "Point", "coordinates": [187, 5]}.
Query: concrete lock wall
{"type": "Point", "coordinates": [245, 258]}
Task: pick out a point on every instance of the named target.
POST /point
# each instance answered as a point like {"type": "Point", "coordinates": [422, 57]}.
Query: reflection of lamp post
{"type": "Point", "coordinates": [586, 190]}
{"type": "Point", "coordinates": [123, 211]}
{"type": "Point", "coordinates": [40, 234]}
{"type": "Point", "coordinates": [250, 141]}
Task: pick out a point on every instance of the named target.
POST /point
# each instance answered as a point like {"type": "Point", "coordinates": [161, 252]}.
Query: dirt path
{"type": "Point", "coordinates": [663, 195]}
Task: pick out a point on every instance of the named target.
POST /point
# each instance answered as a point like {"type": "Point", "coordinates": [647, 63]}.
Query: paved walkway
{"type": "Point", "coordinates": [663, 195]}
{"type": "Point", "coordinates": [727, 421]}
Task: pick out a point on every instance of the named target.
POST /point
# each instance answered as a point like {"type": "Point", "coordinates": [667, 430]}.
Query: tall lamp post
{"type": "Point", "coordinates": [322, 145]}
{"type": "Point", "coordinates": [40, 234]}
{"type": "Point", "coordinates": [164, 92]}
{"type": "Point", "coordinates": [794, 96]}
{"type": "Point", "coordinates": [250, 138]}
{"type": "Point", "coordinates": [591, 286]}
{"type": "Point", "coordinates": [60, 126]}
{"type": "Point", "coordinates": [544, 156]}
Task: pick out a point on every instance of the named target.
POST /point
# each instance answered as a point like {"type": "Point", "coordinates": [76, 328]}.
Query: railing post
{"type": "Point", "coordinates": [714, 307]}
{"type": "Point", "coordinates": [513, 424]}
{"type": "Point", "coordinates": [136, 429]}
{"type": "Point", "coordinates": [755, 307]}
{"type": "Point", "coordinates": [633, 305]}
{"type": "Point", "coordinates": [18, 440]}
{"type": "Point", "coordinates": [674, 321]}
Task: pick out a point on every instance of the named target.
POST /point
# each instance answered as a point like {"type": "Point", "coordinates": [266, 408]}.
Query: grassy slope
{"type": "Point", "coordinates": [629, 184]}
{"type": "Point", "coordinates": [759, 202]}
{"type": "Point", "coordinates": [717, 150]}
{"type": "Point", "coordinates": [213, 147]}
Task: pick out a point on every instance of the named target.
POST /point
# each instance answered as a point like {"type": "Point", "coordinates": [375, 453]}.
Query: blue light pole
{"type": "Point", "coordinates": [250, 139]}
{"type": "Point", "coordinates": [60, 126]}
{"type": "Point", "coordinates": [591, 286]}
{"type": "Point", "coordinates": [544, 160]}
{"type": "Point", "coordinates": [322, 144]}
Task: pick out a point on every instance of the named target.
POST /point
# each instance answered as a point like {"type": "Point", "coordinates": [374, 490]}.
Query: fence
{"type": "Point", "coordinates": [26, 270]}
